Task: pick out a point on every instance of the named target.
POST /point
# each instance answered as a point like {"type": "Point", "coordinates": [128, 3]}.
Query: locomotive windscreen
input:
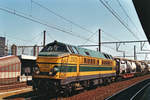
{"type": "Point", "coordinates": [55, 47]}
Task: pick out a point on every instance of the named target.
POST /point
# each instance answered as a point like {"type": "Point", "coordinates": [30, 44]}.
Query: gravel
{"type": "Point", "coordinates": [102, 92]}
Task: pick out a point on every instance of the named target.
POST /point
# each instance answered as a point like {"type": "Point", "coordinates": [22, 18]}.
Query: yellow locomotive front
{"type": "Point", "coordinates": [54, 64]}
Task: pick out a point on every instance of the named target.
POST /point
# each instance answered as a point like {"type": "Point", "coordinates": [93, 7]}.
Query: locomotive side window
{"type": "Point", "coordinates": [97, 62]}
{"type": "Point", "coordinates": [91, 61]}
{"type": "Point", "coordinates": [73, 49]}
{"type": "Point", "coordinates": [70, 48]}
{"type": "Point", "coordinates": [85, 60]}
{"type": "Point", "coordinates": [106, 56]}
{"type": "Point", "coordinates": [87, 53]}
{"type": "Point", "coordinates": [110, 57]}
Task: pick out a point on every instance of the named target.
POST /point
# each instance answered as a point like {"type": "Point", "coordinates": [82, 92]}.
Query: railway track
{"type": "Point", "coordinates": [134, 92]}
{"type": "Point", "coordinates": [34, 96]}
{"type": "Point", "coordinates": [99, 93]}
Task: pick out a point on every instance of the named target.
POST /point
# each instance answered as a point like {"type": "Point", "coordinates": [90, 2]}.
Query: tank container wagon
{"type": "Point", "coordinates": [127, 68]}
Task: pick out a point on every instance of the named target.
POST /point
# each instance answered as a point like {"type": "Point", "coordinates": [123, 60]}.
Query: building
{"type": "Point", "coordinates": [2, 46]}
{"type": "Point", "coordinates": [27, 64]}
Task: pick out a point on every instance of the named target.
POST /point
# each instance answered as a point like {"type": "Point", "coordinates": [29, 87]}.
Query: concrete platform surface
{"type": "Point", "coordinates": [14, 92]}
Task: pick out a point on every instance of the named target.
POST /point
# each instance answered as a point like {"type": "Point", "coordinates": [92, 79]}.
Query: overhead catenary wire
{"type": "Point", "coordinates": [31, 16]}
{"type": "Point", "coordinates": [35, 37]}
{"type": "Point", "coordinates": [62, 17]}
{"type": "Point", "coordinates": [58, 15]}
{"type": "Point", "coordinates": [15, 39]}
{"type": "Point", "coordinates": [39, 38]}
{"type": "Point", "coordinates": [42, 23]}
{"type": "Point", "coordinates": [50, 35]}
{"type": "Point", "coordinates": [109, 35]}
{"type": "Point", "coordinates": [115, 14]}
{"type": "Point", "coordinates": [37, 18]}
{"type": "Point", "coordinates": [119, 3]}
{"type": "Point", "coordinates": [91, 36]}
{"type": "Point", "coordinates": [97, 43]}
{"type": "Point", "coordinates": [6, 34]}
{"type": "Point", "coordinates": [33, 19]}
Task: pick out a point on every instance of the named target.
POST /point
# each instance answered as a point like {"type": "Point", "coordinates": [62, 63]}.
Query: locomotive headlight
{"type": "Point", "coordinates": [50, 73]}
{"type": "Point", "coordinates": [36, 70]}
{"type": "Point", "coordinates": [54, 71]}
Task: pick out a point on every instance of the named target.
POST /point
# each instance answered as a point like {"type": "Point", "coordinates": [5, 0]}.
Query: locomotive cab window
{"type": "Point", "coordinates": [70, 48]}
{"type": "Point", "coordinates": [55, 47]}
{"type": "Point", "coordinates": [110, 57]}
{"type": "Point", "coordinates": [75, 50]}
{"type": "Point", "coordinates": [107, 56]}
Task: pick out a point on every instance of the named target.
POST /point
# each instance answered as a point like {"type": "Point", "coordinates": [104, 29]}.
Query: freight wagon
{"type": "Point", "coordinates": [10, 69]}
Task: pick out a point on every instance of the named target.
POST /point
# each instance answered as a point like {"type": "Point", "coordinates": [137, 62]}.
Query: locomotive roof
{"type": "Point", "coordinates": [92, 53]}
{"type": "Point", "coordinates": [27, 57]}
{"type": "Point", "coordinates": [80, 51]}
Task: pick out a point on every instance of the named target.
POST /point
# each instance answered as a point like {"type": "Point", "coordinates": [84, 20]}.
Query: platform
{"type": "Point", "coordinates": [14, 92]}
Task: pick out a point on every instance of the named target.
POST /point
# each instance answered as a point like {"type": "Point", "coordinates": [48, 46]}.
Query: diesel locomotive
{"type": "Point", "coordinates": [62, 68]}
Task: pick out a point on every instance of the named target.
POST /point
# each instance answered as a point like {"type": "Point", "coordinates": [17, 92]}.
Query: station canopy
{"type": "Point", "coordinates": [143, 10]}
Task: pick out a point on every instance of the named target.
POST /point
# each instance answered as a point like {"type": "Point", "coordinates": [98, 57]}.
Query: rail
{"type": "Point", "coordinates": [131, 92]}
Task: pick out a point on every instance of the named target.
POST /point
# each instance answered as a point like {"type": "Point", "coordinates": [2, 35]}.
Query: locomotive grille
{"type": "Point", "coordinates": [44, 73]}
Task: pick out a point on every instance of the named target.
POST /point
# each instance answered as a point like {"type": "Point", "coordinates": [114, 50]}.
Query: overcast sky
{"type": "Point", "coordinates": [89, 14]}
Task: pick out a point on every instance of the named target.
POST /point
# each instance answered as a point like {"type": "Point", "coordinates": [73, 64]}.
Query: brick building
{"type": "Point", "coordinates": [2, 46]}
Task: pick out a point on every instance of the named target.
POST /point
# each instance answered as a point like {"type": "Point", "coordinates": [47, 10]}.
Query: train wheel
{"type": "Point", "coordinates": [73, 90]}
{"type": "Point", "coordinates": [90, 85]}
{"type": "Point", "coordinates": [109, 80]}
{"type": "Point", "coordinates": [67, 91]}
{"type": "Point", "coordinates": [104, 81]}
{"type": "Point", "coordinates": [85, 85]}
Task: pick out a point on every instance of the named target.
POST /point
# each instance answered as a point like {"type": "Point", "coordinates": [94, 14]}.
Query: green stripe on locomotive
{"type": "Point", "coordinates": [84, 68]}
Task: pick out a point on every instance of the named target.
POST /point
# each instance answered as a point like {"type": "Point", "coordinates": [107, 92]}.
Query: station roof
{"type": "Point", "coordinates": [143, 10]}
{"type": "Point", "coordinates": [27, 57]}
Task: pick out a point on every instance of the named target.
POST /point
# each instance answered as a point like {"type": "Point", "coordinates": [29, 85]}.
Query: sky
{"type": "Point", "coordinates": [88, 14]}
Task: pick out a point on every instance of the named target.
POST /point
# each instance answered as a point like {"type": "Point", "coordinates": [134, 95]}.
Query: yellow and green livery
{"type": "Point", "coordinates": [63, 67]}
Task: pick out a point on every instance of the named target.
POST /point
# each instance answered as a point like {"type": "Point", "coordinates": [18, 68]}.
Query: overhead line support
{"type": "Point", "coordinates": [115, 43]}
{"type": "Point", "coordinates": [99, 40]}
{"type": "Point", "coordinates": [44, 38]}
